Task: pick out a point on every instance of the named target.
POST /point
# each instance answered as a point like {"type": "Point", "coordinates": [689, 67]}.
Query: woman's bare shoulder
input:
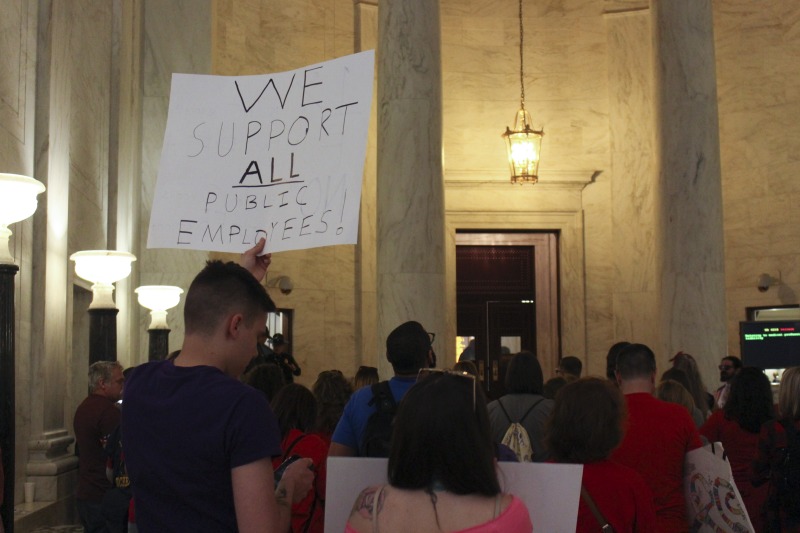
{"type": "Point", "coordinates": [367, 505]}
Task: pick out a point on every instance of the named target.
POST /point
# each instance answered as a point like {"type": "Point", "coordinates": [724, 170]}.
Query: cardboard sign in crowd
{"type": "Point", "coordinates": [279, 156]}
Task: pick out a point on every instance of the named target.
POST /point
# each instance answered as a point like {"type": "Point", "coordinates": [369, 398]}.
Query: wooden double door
{"type": "Point", "coordinates": [507, 300]}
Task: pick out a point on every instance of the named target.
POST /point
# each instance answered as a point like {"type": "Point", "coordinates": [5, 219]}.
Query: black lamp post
{"type": "Point", "coordinates": [17, 202]}
{"type": "Point", "coordinates": [103, 268]}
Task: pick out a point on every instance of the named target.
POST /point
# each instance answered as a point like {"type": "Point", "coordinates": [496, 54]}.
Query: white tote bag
{"type": "Point", "coordinates": [713, 502]}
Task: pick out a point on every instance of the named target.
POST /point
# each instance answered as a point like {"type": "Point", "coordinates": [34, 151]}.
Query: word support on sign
{"type": "Point", "coordinates": [279, 156]}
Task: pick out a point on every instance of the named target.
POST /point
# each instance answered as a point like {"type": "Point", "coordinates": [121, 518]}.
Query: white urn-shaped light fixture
{"type": "Point", "coordinates": [17, 202]}
{"type": "Point", "coordinates": [159, 299]}
{"type": "Point", "coordinates": [103, 268]}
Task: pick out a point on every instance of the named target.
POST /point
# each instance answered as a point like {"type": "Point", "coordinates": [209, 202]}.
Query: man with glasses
{"type": "Point", "coordinates": [365, 427]}
{"type": "Point", "coordinates": [728, 368]}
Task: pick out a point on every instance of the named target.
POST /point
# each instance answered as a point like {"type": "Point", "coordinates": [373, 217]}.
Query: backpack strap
{"type": "Point", "coordinates": [382, 396]}
{"type": "Point", "coordinates": [291, 446]}
{"type": "Point", "coordinates": [605, 526]}
{"type": "Point", "coordinates": [500, 403]}
{"type": "Point", "coordinates": [537, 402]}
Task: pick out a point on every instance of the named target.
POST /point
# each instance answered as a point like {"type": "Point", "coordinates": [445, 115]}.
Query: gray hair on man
{"type": "Point", "coordinates": [101, 371]}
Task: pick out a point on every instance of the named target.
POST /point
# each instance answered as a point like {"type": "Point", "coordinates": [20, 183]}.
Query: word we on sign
{"type": "Point", "coordinates": [279, 156]}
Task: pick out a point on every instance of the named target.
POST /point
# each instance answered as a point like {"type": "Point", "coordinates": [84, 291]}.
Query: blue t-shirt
{"type": "Point", "coordinates": [183, 430]}
{"type": "Point", "coordinates": [350, 429]}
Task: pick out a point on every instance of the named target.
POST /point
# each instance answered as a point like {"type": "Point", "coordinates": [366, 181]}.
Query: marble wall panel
{"type": "Point", "coordinates": [168, 48]}
{"type": "Point", "coordinates": [757, 86]}
{"type": "Point", "coordinates": [15, 43]}
{"type": "Point", "coordinates": [599, 333]}
{"type": "Point", "coordinates": [260, 36]}
{"type": "Point", "coordinates": [18, 27]}
{"type": "Point", "coordinates": [509, 8]}
{"type": "Point", "coordinates": [636, 320]}
{"type": "Point", "coordinates": [89, 124]}
{"type": "Point", "coordinates": [599, 275]}
{"type": "Point", "coordinates": [505, 198]}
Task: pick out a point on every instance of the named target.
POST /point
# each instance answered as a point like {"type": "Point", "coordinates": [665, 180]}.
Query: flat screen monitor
{"type": "Point", "coordinates": [770, 344]}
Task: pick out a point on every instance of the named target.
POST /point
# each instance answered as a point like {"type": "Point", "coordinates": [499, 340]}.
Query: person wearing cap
{"type": "Point", "coordinates": [408, 349]}
{"type": "Point", "coordinates": [280, 347]}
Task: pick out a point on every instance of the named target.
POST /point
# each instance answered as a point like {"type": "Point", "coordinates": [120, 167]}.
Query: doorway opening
{"type": "Point", "coordinates": [506, 301]}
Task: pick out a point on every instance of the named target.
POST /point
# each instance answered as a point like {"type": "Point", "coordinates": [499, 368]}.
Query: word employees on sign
{"type": "Point", "coordinates": [279, 156]}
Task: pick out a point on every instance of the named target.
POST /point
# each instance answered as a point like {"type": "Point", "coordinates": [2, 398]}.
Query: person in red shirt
{"type": "Point", "coordinates": [737, 426]}
{"type": "Point", "coordinates": [296, 409]}
{"type": "Point", "coordinates": [658, 436]}
{"type": "Point", "coordinates": [96, 417]}
{"type": "Point", "coordinates": [586, 424]}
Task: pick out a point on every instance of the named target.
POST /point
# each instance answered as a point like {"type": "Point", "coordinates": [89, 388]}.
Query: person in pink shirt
{"type": "Point", "coordinates": [658, 436]}
{"type": "Point", "coordinates": [441, 470]}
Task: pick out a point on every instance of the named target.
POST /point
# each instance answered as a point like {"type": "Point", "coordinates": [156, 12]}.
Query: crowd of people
{"type": "Point", "coordinates": [216, 439]}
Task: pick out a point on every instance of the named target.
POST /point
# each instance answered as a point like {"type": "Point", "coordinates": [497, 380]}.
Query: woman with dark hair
{"type": "Point", "coordinates": [783, 506]}
{"type": "Point", "coordinates": [446, 487]}
{"type": "Point", "coordinates": [267, 377]}
{"type": "Point", "coordinates": [524, 403]}
{"type": "Point", "coordinates": [586, 425]}
{"type": "Point", "coordinates": [736, 426]}
{"type": "Point", "coordinates": [332, 390]}
{"type": "Point", "coordinates": [296, 410]}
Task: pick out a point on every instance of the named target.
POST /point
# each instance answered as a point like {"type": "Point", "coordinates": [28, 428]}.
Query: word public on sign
{"type": "Point", "coordinates": [279, 156]}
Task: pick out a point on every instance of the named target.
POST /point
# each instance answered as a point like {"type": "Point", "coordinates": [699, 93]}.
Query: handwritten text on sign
{"type": "Point", "coordinates": [279, 156]}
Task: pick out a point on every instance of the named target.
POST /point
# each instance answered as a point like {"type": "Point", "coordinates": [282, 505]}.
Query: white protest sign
{"type": "Point", "coordinates": [279, 156]}
{"type": "Point", "coordinates": [550, 491]}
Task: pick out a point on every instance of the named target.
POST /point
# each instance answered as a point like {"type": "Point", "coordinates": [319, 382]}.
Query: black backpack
{"type": "Point", "coordinates": [378, 432]}
{"type": "Point", "coordinates": [789, 471]}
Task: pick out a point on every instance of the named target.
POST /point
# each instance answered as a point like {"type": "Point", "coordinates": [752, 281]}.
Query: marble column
{"type": "Point", "coordinates": [690, 236]}
{"type": "Point", "coordinates": [410, 213]}
{"type": "Point", "coordinates": [633, 182]}
{"type": "Point", "coordinates": [49, 463]}
{"type": "Point", "coordinates": [366, 320]}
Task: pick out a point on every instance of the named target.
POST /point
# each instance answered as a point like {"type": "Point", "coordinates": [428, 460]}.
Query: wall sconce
{"type": "Point", "coordinates": [523, 143]}
{"type": "Point", "coordinates": [103, 268]}
{"type": "Point", "coordinates": [158, 298]}
{"type": "Point", "coordinates": [17, 202]}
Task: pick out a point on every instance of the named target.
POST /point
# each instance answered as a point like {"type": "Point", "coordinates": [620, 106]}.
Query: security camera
{"type": "Point", "coordinates": [285, 285]}
{"type": "Point", "coordinates": [764, 282]}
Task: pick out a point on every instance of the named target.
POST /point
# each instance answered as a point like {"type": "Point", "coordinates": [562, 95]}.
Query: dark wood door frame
{"type": "Point", "coordinates": [546, 300]}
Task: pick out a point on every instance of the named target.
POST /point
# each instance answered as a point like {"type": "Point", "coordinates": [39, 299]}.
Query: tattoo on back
{"type": "Point", "coordinates": [365, 504]}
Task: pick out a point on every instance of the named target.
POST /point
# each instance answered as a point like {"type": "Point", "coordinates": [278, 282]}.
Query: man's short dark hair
{"type": "Point", "coordinates": [735, 361]}
{"type": "Point", "coordinates": [407, 348]}
{"type": "Point", "coordinates": [219, 290]}
{"type": "Point", "coordinates": [571, 365]}
{"type": "Point", "coordinates": [636, 361]}
{"type": "Point", "coordinates": [611, 359]}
